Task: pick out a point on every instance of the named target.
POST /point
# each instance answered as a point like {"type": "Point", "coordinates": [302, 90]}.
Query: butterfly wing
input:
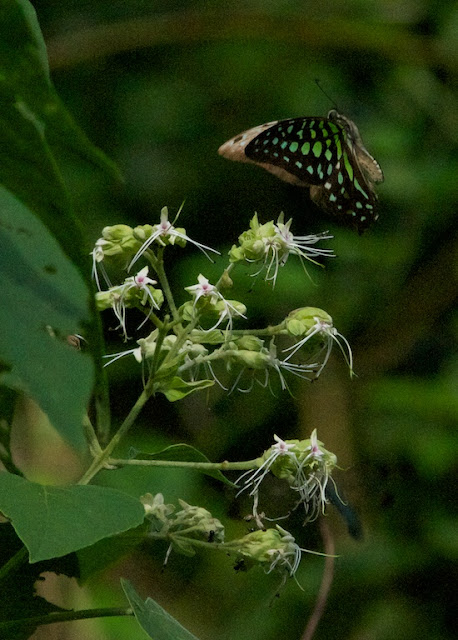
{"type": "Point", "coordinates": [348, 192]}
{"type": "Point", "coordinates": [280, 147]}
{"type": "Point", "coordinates": [319, 153]}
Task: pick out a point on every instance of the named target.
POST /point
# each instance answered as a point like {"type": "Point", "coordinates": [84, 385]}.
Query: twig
{"type": "Point", "coordinates": [326, 581]}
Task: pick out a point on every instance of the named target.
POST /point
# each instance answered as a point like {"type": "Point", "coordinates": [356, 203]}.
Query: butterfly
{"type": "Point", "coordinates": [325, 154]}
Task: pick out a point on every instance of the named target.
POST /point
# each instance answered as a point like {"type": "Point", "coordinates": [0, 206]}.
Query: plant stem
{"type": "Point", "coordinates": [326, 582]}
{"type": "Point", "coordinates": [19, 558]}
{"type": "Point", "coordinates": [101, 460]}
{"type": "Point", "coordinates": [91, 438]}
{"type": "Point", "coordinates": [217, 466]}
{"type": "Point", "coordinates": [162, 277]}
{"type": "Point", "coordinates": [66, 616]}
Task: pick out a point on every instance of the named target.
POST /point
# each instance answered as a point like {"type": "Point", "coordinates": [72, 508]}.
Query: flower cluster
{"type": "Point", "coordinates": [183, 527]}
{"type": "Point", "coordinates": [199, 337]}
{"type": "Point", "coordinates": [305, 465]}
{"type": "Point", "coordinates": [192, 527]}
{"type": "Point", "coordinates": [271, 244]}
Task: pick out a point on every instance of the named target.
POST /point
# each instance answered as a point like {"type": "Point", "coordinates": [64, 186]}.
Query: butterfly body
{"type": "Point", "coordinates": [325, 154]}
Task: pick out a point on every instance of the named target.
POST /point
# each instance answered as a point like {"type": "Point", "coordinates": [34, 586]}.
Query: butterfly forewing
{"type": "Point", "coordinates": [308, 148]}
{"type": "Point", "coordinates": [325, 154]}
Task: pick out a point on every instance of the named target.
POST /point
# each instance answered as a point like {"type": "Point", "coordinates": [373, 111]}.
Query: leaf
{"type": "Point", "coordinates": [153, 619]}
{"type": "Point", "coordinates": [26, 77]}
{"type": "Point", "coordinates": [33, 121]}
{"type": "Point", "coordinates": [53, 521]}
{"type": "Point", "coordinates": [183, 453]}
{"type": "Point", "coordinates": [44, 299]}
{"type": "Point", "coordinates": [177, 389]}
{"type": "Point", "coordinates": [109, 551]}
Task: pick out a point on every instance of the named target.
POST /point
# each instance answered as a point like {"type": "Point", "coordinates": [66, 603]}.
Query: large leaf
{"type": "Point", "coordinates": [53, 521]}
{"type": "Point", "coordinates": [44, 299]}
{"type": "Point", "coordinates": [182, 453]}
{"type": "Point", "coordinates": [26, 89]}
{"type": "Point", "coordinates": [109, 551]}
{"type": "Point", "coordinates": [32, 121]}
{"type": "Point", "coordinates": [158, 624]}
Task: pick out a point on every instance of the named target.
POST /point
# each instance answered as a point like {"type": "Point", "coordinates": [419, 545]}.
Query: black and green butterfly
{"type": "Point", "coordinates": [325, 154]}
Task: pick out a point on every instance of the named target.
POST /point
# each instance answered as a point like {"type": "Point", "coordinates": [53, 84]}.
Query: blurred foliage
{"type": "Point", "coordinates": [159, 86]}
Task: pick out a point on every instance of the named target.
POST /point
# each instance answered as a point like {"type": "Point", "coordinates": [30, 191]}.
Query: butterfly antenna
{"type": "Point", "coordinates": [317, 82]}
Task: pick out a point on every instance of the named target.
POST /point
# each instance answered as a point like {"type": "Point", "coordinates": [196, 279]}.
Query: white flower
{"type": "Point", "coordinates": [311, 479]}
{"type": "Point", "coordinates": [279, 246]}
{"type": "Point", "coordinates": [141, 281]}
{"type": "Point", "coordinates": [224, 308]}
{"type": "Point", "coordinates": [286, 558]}
{"type": "Point", "coordinates": [331, 335]}
{"type": "Point", "coordinates": [136, 352]}
{"type": "Point", "coordinates": [165, 229]}
{"type": "Point", "coordinates": [97, 263]}
{"type": "Point", "coordinates": [252, 479]}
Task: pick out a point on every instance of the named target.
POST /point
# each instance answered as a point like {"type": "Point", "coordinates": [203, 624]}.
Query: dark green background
{"type": "Point", "coordinates": [159, 86]}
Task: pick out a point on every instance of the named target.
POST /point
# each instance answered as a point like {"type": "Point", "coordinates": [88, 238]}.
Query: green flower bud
{"type": "Point", "coordinates": [226, 280]}
{"type": "Point", "coordinates": [252, 243]}
{"type": "Point", "coordinates": [251, 359]}
{"type": "Point", "coordinates": [119, 243]}
{"type": "Point", "coordinates": [142, 232]}
{"type": "Point", "coordinates": [221, 305]}
{"type": "Point", "coordinates": [215, 336]}
{"type": "Point", "coordinates": [271, 549]}
{"type": "Point", "coordinates": [198, 523]}
{"type": "Point", "coordinates": [302, 320]}
{"type": "Point", "coordinates": [157, 512]}
{"type": "Point", "coordinates": [250, 343]}
{"type": "Point", "coordinates": [105, 299]}
{"type": "Point", "coordinates": [117, 232]}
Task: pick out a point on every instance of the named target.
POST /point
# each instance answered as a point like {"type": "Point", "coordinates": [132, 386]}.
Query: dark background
{"type": "Point", "coordinates": [159, 86]}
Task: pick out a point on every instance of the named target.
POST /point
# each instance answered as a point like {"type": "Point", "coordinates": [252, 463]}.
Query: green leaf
{"type": "Point", "coordinates": [53, 521]}
{"type": "Point", "coordinates": [26, 79]}
{"type": "Point", "coordinates": [44, 299]}
{"type": "Point", "coordinates": [107, 552]}
{"type": "Point", "coordinates": [177, 389]}
{"type": "Point", "coordinates": [153, 619]}
{"type": "Point", "coordinates": [32, 121]}
{"type": "Point", "coordinates": [183, 453]}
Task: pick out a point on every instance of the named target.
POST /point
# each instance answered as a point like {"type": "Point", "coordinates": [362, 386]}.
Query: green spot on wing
{"type": "Point", "coordinates": [348, 167]}
{"type": "Point", "coordinates": [305, 148]}
{"type": "Point", "coordinates": [317, 148]}
{"type": "Point", "coordinates": [359, 187]}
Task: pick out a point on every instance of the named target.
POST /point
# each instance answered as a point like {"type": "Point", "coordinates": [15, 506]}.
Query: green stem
{"type": "Point", "coordinates": [101, 460]}
{"type": "Point", "coordinates": [66, 616]}
{"type": "Point", "coordinates": [91, 438]}
{"type": "Point", "coordinates": [163, 281]}
{"type": "Point", "coordinates": [271, 330]}
{"type": "Point", "coordinates": [19, 558]}
{"type": "Point", "coordinates": [203, 466]}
